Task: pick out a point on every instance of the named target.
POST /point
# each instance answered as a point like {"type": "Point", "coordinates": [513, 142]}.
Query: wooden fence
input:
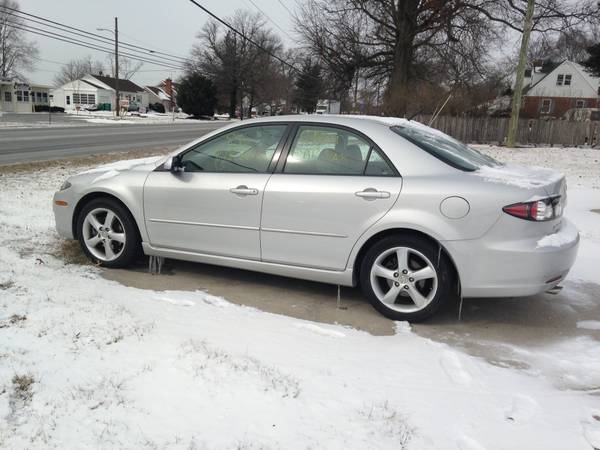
{"type": "Point", "coordinates": [490, 130]}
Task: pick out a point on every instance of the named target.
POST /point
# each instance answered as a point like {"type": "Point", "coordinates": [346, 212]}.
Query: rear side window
{"type": "Point", "coordinates": [445, 148]}
{"type": "Point", "coordinates": [322, 150]}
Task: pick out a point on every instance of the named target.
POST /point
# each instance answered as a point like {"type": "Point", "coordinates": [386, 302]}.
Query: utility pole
{"type": "Point", "coordinates": [117, 65]}
{"type": "Point", "coordinates": [513, 125]}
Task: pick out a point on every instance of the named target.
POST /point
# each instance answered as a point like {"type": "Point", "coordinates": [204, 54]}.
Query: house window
{"type": "Point", "coordinates": [22, 96]}
{"type": "Point", "coordinates": [8, 96]}
{"type": "Point", "coordinates": [580, 104]}
{"type": "Point", "coordinates": [68, 99]}
{"type": "Point", "coordinates": [560, 80]}
{"type": "Point", "coordinates": [45, 97]}
{"type": "Point", "coordinates": [84, 99]}
{"type": "Point", "coordinates": [38, 97]}
{"type": "Point", "coordinates": [546, 106]}
{"type": "Point", "coordinates": [568, 80]}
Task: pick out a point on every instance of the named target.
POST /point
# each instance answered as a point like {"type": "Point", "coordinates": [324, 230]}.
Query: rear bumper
{"type": "Point", "coordinates": [514, 268]}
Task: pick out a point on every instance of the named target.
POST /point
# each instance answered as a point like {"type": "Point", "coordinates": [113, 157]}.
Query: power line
{"type": "Point", "coordinates": [96, 36]}
{"type": "Point", "coordinates": [92, 46]}
{"type": "Point", "coordinates": [242, 35]}
{"type": "Point", "coordinates": [270, 20]}
{"type": "Point", "coordinates": [286, 8]}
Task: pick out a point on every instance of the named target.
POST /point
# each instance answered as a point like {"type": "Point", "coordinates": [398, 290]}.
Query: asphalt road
{"type": "Point", "coordinates": [41, 144]}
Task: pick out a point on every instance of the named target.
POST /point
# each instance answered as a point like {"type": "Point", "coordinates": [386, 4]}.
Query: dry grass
{"type": "Point", "coordinates": [22, 385]}
{"type": "Point", "coordinates": [89, 160]}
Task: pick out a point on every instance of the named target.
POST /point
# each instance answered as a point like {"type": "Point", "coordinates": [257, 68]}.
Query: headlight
{"type": "Point", "coordinates": [65, 185]}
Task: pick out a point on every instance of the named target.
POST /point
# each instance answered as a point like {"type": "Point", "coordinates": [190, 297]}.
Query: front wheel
{"type": "Point", "coordinates": [107, 233]}
{"type": "Point", "coordinates": [405, 278]}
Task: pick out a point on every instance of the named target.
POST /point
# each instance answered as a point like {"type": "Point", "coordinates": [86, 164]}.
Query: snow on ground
{"type": "Point", "coordinates": [108, 117]}
{"type": "Point", "coordinates": [89, 363]}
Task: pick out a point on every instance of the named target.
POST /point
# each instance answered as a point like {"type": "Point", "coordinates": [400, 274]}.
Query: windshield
{"type": "Point", "coordinates": [445, 148]}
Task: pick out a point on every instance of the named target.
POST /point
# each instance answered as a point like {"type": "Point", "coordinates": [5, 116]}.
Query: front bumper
{"type": "Point", "coordinates": [514, 268]}
{"type": "Point", "coordinates": [63, 214]}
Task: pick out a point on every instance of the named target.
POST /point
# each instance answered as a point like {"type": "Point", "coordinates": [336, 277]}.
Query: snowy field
{"type": "Point", "coordinates": [90, 363]}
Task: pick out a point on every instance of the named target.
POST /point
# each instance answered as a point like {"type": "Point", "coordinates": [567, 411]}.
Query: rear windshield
{"type": "Point", "coordinates": [445, 148]}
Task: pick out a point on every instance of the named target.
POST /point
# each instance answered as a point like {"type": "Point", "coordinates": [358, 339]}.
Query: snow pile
{"type": "Point", "coordinates": [565, 236]}
{"type": "Point", "coordinates": [519, 176]}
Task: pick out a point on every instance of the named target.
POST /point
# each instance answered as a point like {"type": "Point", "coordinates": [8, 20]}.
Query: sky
{"type": "Point", "coordinates": [167, 25]}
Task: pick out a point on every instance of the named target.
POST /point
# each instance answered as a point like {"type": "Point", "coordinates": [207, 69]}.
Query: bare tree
{"type": "Point", "coordinates": [396, 39]}
{"type": "Point", "coordinates": [240, 69]}
{"type": "Point", "coordinates": [127, 67]}
{"type": "Point", "coordinates": [571, 44]}
{"type": "Point", "coordinates": [77, 68]}
{"type": "Point", "coordinates": [16, 52]}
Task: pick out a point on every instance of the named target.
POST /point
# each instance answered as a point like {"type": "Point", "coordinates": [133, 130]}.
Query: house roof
{"type": "Point", "coordinates": [592, 81]}
{"type": "Point", "coordinates": [124, 85]}
{"type": "Point", "coordinates": [154, 89]}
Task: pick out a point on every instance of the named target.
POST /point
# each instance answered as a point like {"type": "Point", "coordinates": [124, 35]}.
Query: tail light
{"type": "Point", "coordinates": [538, 210]}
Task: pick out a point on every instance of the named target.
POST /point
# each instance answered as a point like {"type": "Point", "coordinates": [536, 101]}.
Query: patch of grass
{"type": "Point", "coordinates": [15, 318]}
{"type": "Point", "coordinates": [22, 385]}
{"type": "Point", "coordinates": [6, 285]}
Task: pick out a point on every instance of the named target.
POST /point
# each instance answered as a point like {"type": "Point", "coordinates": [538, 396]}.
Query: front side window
{"type": "Point", "coordinates": [560, 80]}
{"type": "Point", "coordinates": [332, 151]}
{"type": "Point", "coordinates": [580, 104]}
{"type": "Point", "coordinates": [7, 96]}
{"type": "Point", "coordinates": [68, 99]}
{"type": "Point", "coordinates": [247, 150]}
{"type": "Point", "coordinates": [25, 96]}
{"type": "Point", "coordinates": [19, 96]}
{"type": "Point", "coordinates": [444, 147]}
{"type": "Point", "coordinates": [568, 80]}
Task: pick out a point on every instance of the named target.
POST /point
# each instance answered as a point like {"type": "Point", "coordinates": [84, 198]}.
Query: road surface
{"type": "Point", "coordinates": [41, 144]}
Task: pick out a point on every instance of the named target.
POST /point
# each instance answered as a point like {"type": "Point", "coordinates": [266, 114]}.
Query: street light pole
{"type": "Point", "coordinates": [118, 105]}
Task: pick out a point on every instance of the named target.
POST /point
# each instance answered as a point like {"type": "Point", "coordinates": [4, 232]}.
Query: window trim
{"type": "Point", "coordinates": [272, 163]}
{"type": "Point", "coordinates": [372, 145]}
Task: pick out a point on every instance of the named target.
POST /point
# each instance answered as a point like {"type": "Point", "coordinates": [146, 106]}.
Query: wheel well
{"type": "Point", "coordinates": [403, 232]}
{"type": "Point", "coordinates": [93, 196]}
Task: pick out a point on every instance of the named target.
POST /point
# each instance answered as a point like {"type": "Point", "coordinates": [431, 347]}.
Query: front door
{"type": "Point", "coordinates": [214, 205]}
{"type": "Point", "coordinates": [335, 184]}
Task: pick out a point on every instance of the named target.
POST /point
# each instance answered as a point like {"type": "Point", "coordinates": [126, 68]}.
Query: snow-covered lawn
{"type": "Point", "coordinates": [90, 363]}
{"type": "Point", "coordinates": [108, 117]}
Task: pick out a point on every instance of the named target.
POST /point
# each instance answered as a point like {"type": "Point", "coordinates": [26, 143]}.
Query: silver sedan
{"type": "Point", "coordinates": [408, 213]}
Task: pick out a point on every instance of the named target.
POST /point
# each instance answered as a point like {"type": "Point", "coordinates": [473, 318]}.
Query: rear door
{"type": "Point", "coordinates": [214, 206]}
{"type": "Point", "coordinates": [332, 183]}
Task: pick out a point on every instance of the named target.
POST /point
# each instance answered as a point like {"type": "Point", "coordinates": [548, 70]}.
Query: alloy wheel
{"type": "Point", "coordinates": [104, 234]}
{"type": "Point", "coordinates": [404, 279]}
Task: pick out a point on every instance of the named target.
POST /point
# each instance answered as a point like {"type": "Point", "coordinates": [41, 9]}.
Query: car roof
{"type": "Point", "coordinates": [360, 122]}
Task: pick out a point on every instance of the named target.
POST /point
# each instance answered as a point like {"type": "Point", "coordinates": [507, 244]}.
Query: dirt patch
{"type": "Point", "coordinates": [89, 160]}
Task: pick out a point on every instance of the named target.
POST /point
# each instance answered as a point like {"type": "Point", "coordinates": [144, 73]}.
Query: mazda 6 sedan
{"type": "Point", "coordinates": [409, 214]}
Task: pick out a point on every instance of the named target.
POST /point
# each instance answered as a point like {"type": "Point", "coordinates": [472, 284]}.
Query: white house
{"type": "Point", "coordinates": [566, 87]}
{"type": "Point", "coordinates": [97, 90]}
{"type": "Point", "coordinates": [165, 93]}
{"type": "Point", "coordinates": [22, 97]}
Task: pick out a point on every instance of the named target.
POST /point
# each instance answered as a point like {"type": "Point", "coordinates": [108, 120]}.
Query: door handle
{"type": "Point", "coordinates": [371, 194]}
{"type": "Point", "coordinates": [243, 190]}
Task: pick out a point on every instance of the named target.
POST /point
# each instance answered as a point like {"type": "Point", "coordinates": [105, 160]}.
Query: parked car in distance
{"type": "Point", "coordinates": [408, 213]}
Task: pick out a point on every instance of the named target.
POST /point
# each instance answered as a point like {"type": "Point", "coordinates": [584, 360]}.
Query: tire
{"type": "Point", "coordinates": [110, 240]}
{"type": "Point", "coordinates": [413, 291]}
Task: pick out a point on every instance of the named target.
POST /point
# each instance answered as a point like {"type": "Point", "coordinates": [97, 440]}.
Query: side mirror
{"type": "Point", "coordinates": [174, 164]}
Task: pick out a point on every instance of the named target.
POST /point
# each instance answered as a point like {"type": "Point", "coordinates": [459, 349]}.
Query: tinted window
{"type": "Point", "coordinates": [324, 150]}
{"type": "Point", "coordinates": [377, 166]}
{"type": "Point", "coordinates": [244, 150]}
{"type": "Point", "coordinates": [445, 148]}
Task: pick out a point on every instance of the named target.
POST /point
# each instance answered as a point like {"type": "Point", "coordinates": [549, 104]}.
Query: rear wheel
{"type": "Point", "coordinates": [107, 233]}
{"type": "Point", "coordinates": [405, 277]}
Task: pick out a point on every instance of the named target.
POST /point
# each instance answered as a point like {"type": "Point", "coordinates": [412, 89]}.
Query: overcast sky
{"type": "Point", "coordinates": [166, 25]}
